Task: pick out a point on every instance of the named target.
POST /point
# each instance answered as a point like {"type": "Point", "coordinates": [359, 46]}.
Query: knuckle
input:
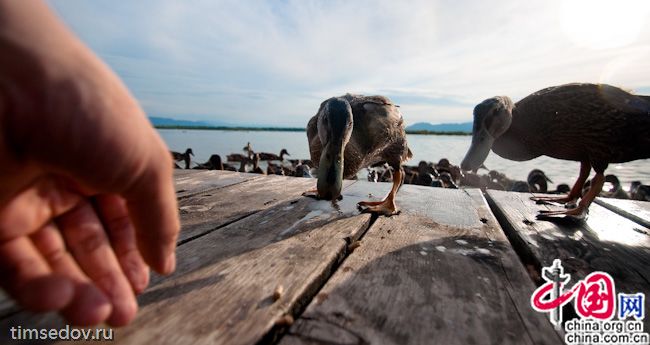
{"type": "Point", "coordinates": [89, 241]}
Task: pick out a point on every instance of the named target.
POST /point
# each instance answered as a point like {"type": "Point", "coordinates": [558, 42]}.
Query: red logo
{"type": "Point", "coordinates": [594, 297]}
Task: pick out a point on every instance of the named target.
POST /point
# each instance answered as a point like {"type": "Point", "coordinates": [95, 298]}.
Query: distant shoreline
{"type": "Point", "coordinates": [286, 129]}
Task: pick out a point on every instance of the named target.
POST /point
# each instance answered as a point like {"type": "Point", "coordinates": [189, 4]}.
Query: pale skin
{"type": "Point", "coordinates": [87, 203]}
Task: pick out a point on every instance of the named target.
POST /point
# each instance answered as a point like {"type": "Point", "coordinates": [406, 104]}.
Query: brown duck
{"type": "Point", "coordinates": [177, 156]}
{"type": "Point", "coordinates": [265, 156]}
{"type": "Point", "coordinates": [594, 124]}
{"type": "Point", "coordinates": [352, 132]}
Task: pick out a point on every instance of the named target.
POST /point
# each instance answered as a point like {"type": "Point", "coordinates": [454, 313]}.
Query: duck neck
{"type": "Point", "coordinates": [514, 143]}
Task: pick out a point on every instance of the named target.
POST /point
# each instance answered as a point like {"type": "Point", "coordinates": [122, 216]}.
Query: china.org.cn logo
{"type": "Point", "coordinates": [595, 301]}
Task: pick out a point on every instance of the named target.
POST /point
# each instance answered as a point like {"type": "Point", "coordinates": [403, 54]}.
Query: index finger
{"type": "Point", "coordinates": [152, 205]}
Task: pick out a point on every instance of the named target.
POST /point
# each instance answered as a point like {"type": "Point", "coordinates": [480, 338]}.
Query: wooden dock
{"type": "Point", "coordinates": [258, 263]}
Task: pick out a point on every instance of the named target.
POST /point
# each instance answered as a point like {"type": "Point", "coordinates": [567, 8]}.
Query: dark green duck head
{"type": "Point", "coordinates": [334, 129]}
{"type": "Point", "coordinates": [492, 118]}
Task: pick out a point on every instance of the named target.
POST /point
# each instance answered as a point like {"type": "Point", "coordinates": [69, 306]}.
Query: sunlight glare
{"type": "Point", "coordinates": [604, 24]}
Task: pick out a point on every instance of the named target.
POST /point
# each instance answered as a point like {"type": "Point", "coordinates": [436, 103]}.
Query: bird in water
{"type": "Point", "coordinates": [616, 190]}
{"type": "Point", "coordinates": [537, 180]}
{"type": "Point", "coordinates": [594, 124]}
{"type": "Point", "coordinates": [177, 156]}
{"type": "Point", "coordinates": [214, 163]}
{"type": "Point", "coordinates": [265, 156]}
{"type": "Point", "coordinates": [352, 132]}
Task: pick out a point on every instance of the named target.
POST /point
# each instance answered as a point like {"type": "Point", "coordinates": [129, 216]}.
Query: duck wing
{"type": "Point", "coordinates": [594, 122]}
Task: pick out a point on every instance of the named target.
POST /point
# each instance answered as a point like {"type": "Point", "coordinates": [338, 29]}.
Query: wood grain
{"type": "Point", "coordinates": [192, 182]}
{"type": "Point", "coordinates": [637, 211]}
{"type": "Point", "coordinates": [222, 291]}
{"type": "Point", "coordinates": [441, 272]}
{"type": "Point", "coordinates": [605, 242]}
{"type": "Point", "coordinates": [204, 212]}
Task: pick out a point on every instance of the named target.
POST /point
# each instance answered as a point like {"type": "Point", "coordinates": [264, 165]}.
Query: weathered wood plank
{"type": "Point", "coordinates": [228, 196]}
{"type": "Point", "coordinates": [210, 210]}
{"type": "Point", "coordinates": [192, 182]}
{"type": "Point", "coordinates": [637, 211]}
{"type": "Point", "coordinates": [604, 242]}
{"type": "Point", "coordinates": [441, 272]}
{"type": "Point", "coordinates": [222, 289]}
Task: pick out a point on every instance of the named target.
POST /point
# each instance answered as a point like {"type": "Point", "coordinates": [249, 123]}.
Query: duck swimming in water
{"type": "Point", "coordinates": [352, 132]}
{"type": "Point", "coordinates": [594, 124]}
{"type": "Point", "coordinates": [177, 156]}
{"type": "Point", "coordinates": [265, 156]}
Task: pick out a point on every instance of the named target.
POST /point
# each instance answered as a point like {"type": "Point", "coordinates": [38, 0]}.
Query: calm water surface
{"type": "Point", "coordinates": [424, 147]}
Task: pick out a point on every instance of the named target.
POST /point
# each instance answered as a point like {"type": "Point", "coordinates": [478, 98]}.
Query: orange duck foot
{"type": "Point", "coordinates": [386, 208]}
{"type": "Point", "coordinates": [578, 213]}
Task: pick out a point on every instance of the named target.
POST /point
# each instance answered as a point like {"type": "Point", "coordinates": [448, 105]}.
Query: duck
{"type": "Point", "coordinates": [641, 192]}
{"type": "Point", "coordinates": [296, 162]}
{"type": "Point", "coordinates": [265, 156]}
{"type": "Point", "coordinates": [238, 157]}
{"type": "Point", "coordinates": [447, 181]}
{"type": "Point", "coordinates": [177, 156]}
{"type": "Point", "coordinates": [562, 188]}
{"type": "Point", "coordinates": [248, 149]}
{"type": "Point", "coordinates": [256, 164]}
{"type": "Point", "coordinates": [352, 132]}
{"type": "Point", "coordinates": [616, 191]}
{"type": "Point", "coordinates": [594, 124]}
{"type": "Point", "coordinates": [426, 174]}
{"type": "Point", "coordinates": [302, 170]}
{"type": "Point", "coordinates": [273, 169]}
{"type": "Point", "coordinates": [538, 181]}
{"type": "Point", "coordinates": [213, 163]}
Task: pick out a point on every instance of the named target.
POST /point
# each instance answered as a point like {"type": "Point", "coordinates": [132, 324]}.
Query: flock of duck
{"type": "Point", "coordinates": [594, 124]}
{"type": "Point", "coordinates": [249, 162]}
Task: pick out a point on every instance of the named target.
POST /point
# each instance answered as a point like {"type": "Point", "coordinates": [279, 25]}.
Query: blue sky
{"type": "Point", "coordinates": [273, 62]}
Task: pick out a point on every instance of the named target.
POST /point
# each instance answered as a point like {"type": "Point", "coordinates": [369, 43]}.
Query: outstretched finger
{"type": "Point", "coordinates": [84, 234]}
{"type": "Point", "coordinates": [89, 305]}
{"type": "Point", "coordinates": [151, 202]}
{"type": "Point", "coordinates": [115, 216]}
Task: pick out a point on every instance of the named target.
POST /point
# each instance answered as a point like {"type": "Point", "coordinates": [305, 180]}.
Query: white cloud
{"type": "Point", "coordinates": [274, 62]}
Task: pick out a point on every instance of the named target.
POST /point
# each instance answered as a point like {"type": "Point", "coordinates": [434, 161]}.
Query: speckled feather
{"type": "Point", "coordinates": [378, 134]}
{"type": "Point", "coordinates": [600, 124]}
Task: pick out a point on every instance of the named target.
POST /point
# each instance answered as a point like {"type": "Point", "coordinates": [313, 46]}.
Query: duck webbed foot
{"type": "Point", "coordinates": [578, 213]}
{"type": "Point", "coordinates": [387, 206]}
{"type": "Point", "coordinates": [568, 201]}
{"type": "Point", "coordinates": [582, 210]}
{"type": "Point", "coordinates": [312, 193]}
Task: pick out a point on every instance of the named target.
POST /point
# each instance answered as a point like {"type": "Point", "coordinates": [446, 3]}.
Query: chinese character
{"type": "Point", "coordinates": [631, 305]}
{"type": "Point", "coordinates": [596, 297]}
{"type": "Point", "coordinates": [555, 279]}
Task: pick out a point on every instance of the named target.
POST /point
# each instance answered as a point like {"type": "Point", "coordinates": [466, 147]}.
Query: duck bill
{"type": "Point", "coordinates": [478, 151]}
{"type": "Point", "coordinates": [330, 172]}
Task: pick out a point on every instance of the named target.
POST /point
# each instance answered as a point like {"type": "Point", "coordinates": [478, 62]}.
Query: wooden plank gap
{"type": "Point", "coordinates": [523, 250]}
{"type": "Point", "coordinates": [623, 213]}
{"type": "Point", "coordinates": [275, 335]}
{"type": "Point", "coordinates": [185, 240]}
{"type": "Point", "coordinates": [212, 189]}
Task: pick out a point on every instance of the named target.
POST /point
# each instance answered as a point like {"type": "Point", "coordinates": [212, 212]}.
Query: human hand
{"type": "Point", "coordinates": [86, 193]}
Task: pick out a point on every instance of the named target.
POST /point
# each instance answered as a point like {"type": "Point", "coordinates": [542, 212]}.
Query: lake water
{"type": "Point", "coordinates": [424, 147]}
